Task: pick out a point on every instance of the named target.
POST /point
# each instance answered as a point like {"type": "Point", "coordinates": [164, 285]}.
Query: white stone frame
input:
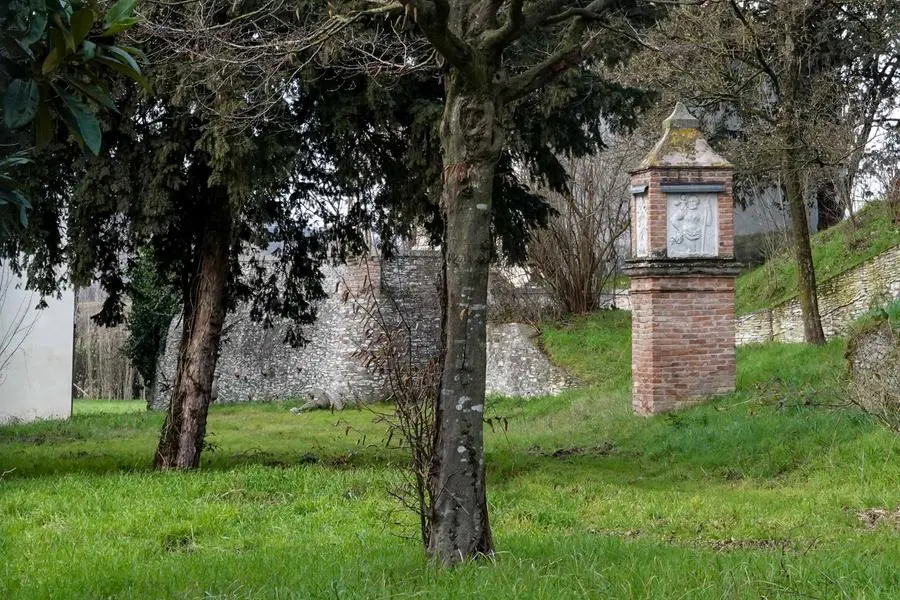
{"type": "Point", "coordinates": [641, 232]}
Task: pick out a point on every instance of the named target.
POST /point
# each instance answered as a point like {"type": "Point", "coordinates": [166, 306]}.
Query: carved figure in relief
{"type": "Point", "coordinates": [690, 224]}
{"type": "Point", "coordinates": [641, 226]}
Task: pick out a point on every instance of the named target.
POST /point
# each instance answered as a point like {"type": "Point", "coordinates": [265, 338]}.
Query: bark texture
{"type": "Point", "coordinates": [472, 36]}
{"type": "Point", "coordinates": [806, 273]}
{"type": "Point", "coordinates": [471, 138]}
{"type": "Point", "coordinates": [184, 429]}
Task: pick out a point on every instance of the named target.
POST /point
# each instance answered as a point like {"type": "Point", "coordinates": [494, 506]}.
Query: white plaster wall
{"type": "Point", "coordinates": [36, 382]}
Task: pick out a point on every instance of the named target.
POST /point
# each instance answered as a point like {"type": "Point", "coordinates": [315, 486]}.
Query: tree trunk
{"type": "Point", "coordinates": [806, 274]}
{"type": "Point", "coordinates": [792, 158]}
{"type": "Point", "coordinates": [471, 140]}
{"type": "Point", "coordinates": [181, 440]}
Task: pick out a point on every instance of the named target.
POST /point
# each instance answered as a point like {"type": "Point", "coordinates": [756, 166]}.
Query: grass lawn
{"type": "Point", "coordinates": [96, 407]}
{"type": "Point", "coordinates": [753, 495]}
{"type": "Point", "coordinates": [834, 251]}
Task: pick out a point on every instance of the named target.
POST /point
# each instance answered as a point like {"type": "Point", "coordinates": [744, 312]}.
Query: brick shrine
{"type": "Point", "coordinates": [682, 271]}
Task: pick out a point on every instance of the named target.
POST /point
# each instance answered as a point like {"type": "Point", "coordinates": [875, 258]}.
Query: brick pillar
{"type": "Point", "coordinates": [682, 271]}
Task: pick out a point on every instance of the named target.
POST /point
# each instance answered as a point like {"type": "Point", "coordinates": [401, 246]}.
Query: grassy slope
{"type": "Point", "coordinates": [753, 495]}
{"type": "Point", "coordinates": [834, 250]}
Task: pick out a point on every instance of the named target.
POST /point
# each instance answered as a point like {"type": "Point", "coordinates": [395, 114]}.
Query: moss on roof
{"type": "Point", "coordinates": [682, 144]}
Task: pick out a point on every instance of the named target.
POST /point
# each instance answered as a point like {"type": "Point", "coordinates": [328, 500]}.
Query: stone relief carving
{"type": "Point", "coordinates": [692, 225]}
{"type": "Point", "coordinates": [642, 239]}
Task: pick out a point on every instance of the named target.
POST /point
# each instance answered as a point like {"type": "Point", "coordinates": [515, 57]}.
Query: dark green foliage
{"type": "Point", "coordinates": [400, 149]}
{"type": "Point", "coordinates": [373, 146]}
{"type": "Point", "coordinates": [330, 159]}
{"type": "Point", "coordinates": [13, 205]}
{"type": "Point", "coordinates": [157, 189]}
{"type": "Point", "coordinates": [153, 304]}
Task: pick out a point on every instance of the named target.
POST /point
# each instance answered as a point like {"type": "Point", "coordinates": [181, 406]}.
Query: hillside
{"type": "Point", "coordinates": [834, 250]}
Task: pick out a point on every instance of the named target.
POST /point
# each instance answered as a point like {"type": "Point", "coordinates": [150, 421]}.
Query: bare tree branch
{"type": "Point", "coordinates": [432, 15]}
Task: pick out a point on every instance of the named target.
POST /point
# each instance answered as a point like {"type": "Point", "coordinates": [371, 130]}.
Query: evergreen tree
{"type": "Point", "coordinates": [153, 305]}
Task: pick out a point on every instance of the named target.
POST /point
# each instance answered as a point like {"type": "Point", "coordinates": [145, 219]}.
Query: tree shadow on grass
{"type": "Point", "coordinates": [57, 455]}
{"type": "Point", "coordinates": [765, 433]}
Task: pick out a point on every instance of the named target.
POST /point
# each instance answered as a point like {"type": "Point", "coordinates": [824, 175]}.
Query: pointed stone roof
{"type": "Point", "coordinates": [682, 145]}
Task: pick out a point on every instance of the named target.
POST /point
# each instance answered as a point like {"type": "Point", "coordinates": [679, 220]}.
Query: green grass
{"type": "Point", "coordinates": [753, 495]}
{"type": "Point", "coordinates": [834, 251]}
{"type": "Point", "coordinates": [93, 407]}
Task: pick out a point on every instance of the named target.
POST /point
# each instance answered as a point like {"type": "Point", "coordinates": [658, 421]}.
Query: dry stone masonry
{"type": "Point", "coordinates": [255, 365]}
{"type": "Point", "coordinates": [517, 367]}
{"type": "Point", "coordinates": [682, 271]}
{"type": "Point", "coordinates": [842, 298]}
{"type": "Point", "coordinates": [873, 354]}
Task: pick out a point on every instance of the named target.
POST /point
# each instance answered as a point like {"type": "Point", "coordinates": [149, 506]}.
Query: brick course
{"type": "Point", "coordinates": [682, 309]}
{"type": "Point", "coordinates": [682, 340]}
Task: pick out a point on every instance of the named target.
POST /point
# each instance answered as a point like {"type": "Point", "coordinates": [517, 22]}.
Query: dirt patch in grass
{"type": "Point", "coordinates": [731, 544]}
{"type": "Point", "coordinates": [722, 545]}
{"type": "Point", "coordinates": [178, 542]}
{"type": "Point", "coordinates": [41, 438]}
{"type": "Point", "coordinates": [625, 533]}
{"type": "Point", "coordinates": [871, 517]}
{"type": "Point", "coordinates": [604, 449]}
{"type": "Point", "coordinates": [242, 496]}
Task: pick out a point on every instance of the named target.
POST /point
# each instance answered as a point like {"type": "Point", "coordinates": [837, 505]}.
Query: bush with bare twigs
{"type": "Point", "coordinates": [575, 255]}
{"type": "Point", "coordinates": [411, 381]}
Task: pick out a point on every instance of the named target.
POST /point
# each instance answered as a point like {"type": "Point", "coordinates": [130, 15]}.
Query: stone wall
{"type": "Point", "coordinates": [411, 286]}
{"type": "Point", "coordinates": [873, 354]}
{"type": "Point", "coordinates": [255, 365]}
{"type": "Point", "coordinates": [842, 299]}
{"type": "Point", "coordinates": [754, 328]}
{"type": "Point", "coordinates": [517, 367]}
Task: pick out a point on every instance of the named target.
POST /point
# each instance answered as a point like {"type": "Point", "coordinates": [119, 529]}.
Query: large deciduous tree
{"type": "Point", "coordinates": [496, 53]}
